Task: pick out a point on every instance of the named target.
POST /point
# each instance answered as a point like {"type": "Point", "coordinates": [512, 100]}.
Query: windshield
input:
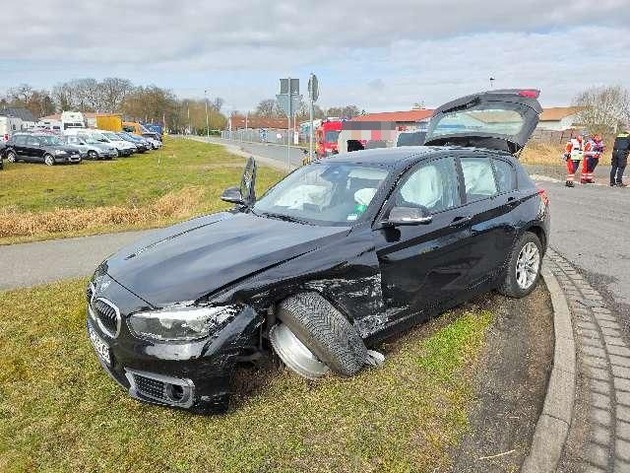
{"type": "Point", "coordinates": [323, 193]}
{"type": "Point", "coordinates": [112, 136]}
{"type": "Point", "coordinates": [91, 140]}
{"type": "Point", "coordinates": [50, 140]}
{"type": "Point", "coordinates": [99, 137]}
{"type": "Point", "coordinates": [477, 121]}
{"type": "Point", "coordinates": [331, 136]}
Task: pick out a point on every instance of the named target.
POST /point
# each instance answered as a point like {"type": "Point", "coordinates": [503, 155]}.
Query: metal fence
{"type": "Point", "coordinates": [262, 135]}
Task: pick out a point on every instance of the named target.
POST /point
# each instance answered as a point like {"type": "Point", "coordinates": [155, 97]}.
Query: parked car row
{"type": "Point", "coordinates": [73, 146]}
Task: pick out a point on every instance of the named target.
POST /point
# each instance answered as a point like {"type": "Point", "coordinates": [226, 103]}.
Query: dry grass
{"type": "Point", "coordinates": [551, 154]}
{"type": "Point", "coordinates": [178, 204]}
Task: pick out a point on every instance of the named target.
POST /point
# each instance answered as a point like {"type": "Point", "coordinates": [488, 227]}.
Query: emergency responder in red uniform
{"type": "Point", "coordinates": [621, 149]}
{"type": "Point", "coordinates": [593, 149]}
{"type": "Point", "coordinates": [573, 155]}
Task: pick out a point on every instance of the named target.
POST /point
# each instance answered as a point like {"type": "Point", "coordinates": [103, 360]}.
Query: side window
{"type": "Point", "coordinates": [433, 185]}
{"type": "Point", "coordinates": [20, 140]}
{"type": "Point", "coordinates": [32, 141]}
{"type": "Point", "coordinates": [478, 178]}
{"type": "Point", "coordinates": [506, 177]}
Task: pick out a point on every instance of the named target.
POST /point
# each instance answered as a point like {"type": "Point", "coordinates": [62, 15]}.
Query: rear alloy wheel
{"type": "Point", "coordinates": [11, 157]}
{"type": "Point", "coordinates": [523, 269]}
{"type": "Point", "coordinates": [314, 336]}
{"type": "Point", "coordinates": [92, 154]}
{"type": "Point", "coordinates": [49, 160]}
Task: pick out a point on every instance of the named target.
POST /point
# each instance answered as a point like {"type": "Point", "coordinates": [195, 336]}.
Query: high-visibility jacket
{"type": "Point", "coordinates": [573, 149]}
{"type": "Point", "coordinates": [593, 148]}
{"type": "Point", "coordinates": [622, 144]}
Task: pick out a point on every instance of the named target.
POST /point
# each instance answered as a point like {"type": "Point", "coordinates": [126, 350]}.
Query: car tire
{"type": "Point", "coordinates": [49, 160]}
{"type": "Point", "coordinates": [11, 157]}
{"type": "Point", "coordinates": [93, 154]}
{"type": "Point", "coordinates": [523, 269]}
{"type": "Point", "coordinates": [324, 331]}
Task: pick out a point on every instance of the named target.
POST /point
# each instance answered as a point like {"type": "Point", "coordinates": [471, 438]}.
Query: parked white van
{"type": "Point", "coordinates": [8, 126]}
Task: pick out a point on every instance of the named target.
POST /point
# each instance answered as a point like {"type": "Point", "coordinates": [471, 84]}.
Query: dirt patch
{"type": "Point", "coordinates": [511, 381]}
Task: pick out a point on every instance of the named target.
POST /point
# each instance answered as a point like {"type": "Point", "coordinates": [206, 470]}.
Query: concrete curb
{"type": "Point", "coordinates": [554, 421]}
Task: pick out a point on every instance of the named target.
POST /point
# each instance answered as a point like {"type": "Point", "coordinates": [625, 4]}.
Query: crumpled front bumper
{"type": "Point", "coordinates": [195, 376]}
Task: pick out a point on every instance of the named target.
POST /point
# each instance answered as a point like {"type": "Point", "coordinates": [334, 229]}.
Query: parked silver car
{"type": "Point", "coordinates": [91, 148]}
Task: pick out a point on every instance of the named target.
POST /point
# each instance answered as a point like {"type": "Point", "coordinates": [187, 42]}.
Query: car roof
{"type": "Point", "coordinates": [402, 156]}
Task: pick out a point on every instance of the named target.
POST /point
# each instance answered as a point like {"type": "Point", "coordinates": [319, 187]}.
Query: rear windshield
{"type": "Point", "coordinates": [479, 121]}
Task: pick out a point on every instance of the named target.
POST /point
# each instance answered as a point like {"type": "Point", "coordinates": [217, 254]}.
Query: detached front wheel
{"type": "Point", "coordinates": [314, 336]}
{"type": "Point", "coordinates": [523, 271]}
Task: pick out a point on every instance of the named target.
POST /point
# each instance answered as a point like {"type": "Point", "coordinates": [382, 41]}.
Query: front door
{"type": "Point", "coordinates": [33, 149]}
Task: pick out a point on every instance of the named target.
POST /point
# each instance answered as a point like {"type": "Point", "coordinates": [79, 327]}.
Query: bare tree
{"type": "Point", "coordinates": [112, 92]}
{"type": "Point", "coordinates": [268, 108]}
{"type": "Point", "coordinates": [346, 111]}
{"type": "Point", "coordinates": [604, 109]}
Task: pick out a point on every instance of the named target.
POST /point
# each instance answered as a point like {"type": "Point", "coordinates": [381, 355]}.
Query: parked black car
{"type": "Point", "coordinates": [44, 148]}
{"type": "Point", "coordinates": [334, 258]}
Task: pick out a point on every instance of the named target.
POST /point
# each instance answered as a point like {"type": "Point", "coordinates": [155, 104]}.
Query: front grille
{"type": "Point", "coordinates": [107, 315]}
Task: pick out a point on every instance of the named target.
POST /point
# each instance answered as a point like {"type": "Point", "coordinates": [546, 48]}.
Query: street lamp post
{"type": "Point", "coordinates": [207, 117]}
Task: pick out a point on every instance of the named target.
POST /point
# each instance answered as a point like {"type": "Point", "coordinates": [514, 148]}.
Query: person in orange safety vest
{"type": "Point", "coordinates": [593, 150]}
{"type": "Point", "coordinates": [573, 152]}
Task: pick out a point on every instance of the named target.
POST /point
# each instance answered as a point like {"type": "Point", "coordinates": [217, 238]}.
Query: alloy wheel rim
{"type": "Point", "coordinates": [48, 160]}
{"type": "Point", "coordinates": [11, 157]}
{"type": "Point", "coordinates": [527, 265]}
{"type": "Point", "coordinates": [294, 354]}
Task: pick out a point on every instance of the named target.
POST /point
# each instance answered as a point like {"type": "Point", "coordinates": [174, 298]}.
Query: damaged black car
{"type": "Point", "coordinates": [339, 255]}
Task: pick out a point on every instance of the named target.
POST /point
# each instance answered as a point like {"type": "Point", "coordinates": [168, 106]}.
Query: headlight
{"type": "Point", "coordinates": [59, 152]}
{"type": "Point", "coordinates": [181, 324]}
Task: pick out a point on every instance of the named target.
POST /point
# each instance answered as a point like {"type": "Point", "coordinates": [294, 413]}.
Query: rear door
{"type": "Point", "coordinates": [500, 119]}
{"type": "Point", "coordinates": [489, 193]}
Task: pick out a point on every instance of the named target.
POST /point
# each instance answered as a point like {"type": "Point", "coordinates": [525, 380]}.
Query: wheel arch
{"type": "Point", "coordinates": [539, 231]}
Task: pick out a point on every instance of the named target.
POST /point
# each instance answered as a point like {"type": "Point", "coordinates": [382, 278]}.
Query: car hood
{"type": "Point", "coordinates": [196, 258]}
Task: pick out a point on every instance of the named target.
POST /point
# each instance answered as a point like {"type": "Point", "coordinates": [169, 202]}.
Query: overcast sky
{"type": "Point", "coordinates": [376, 54]}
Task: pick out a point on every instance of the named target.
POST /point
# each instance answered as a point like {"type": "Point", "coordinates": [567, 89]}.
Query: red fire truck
{"type": "Point", "coordinates": [326, 135]}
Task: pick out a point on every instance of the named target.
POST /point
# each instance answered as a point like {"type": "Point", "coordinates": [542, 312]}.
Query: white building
{"type": "Point", "coordinates": [558, 118]}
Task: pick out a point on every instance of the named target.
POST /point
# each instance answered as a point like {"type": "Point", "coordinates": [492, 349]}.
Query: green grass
{"type": "Point", "coordinates": [37, 193]}
{"type": "Point", "coordinates": [59, 411]}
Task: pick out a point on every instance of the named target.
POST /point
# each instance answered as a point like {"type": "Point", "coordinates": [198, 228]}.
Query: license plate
{"type": "Point", "coordinates": [102, 349]}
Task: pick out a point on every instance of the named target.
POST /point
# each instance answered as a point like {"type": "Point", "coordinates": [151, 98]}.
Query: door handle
{"type": "Point", "coordinates": [460, 221]}
{"type": "Point", "coordinates": [512, 202]}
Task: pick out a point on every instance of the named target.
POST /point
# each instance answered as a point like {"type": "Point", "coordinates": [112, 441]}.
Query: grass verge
{"type": "Point", "coordinates": [59, 411]}
{"type": "Point", "coordinates": [183, 179]}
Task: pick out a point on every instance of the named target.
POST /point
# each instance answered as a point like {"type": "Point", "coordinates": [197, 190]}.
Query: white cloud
{"type": "Point", "coordinates": [376, 54]}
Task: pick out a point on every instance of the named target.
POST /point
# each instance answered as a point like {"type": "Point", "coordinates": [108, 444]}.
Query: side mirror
{"type": "Point", "coordinates": [233, 195]}
{"type": "Point", "coordinates": [409, 216]}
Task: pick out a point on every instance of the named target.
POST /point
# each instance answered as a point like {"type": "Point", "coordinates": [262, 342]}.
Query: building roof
{"type": "Point", "coordinates": [398, 117]}
{"type": "Point", "coordinates": [18, 112]}
{"type": "Point", "coordinates": [555, 114]}
{"type": "Point", "coordinates": [239, 121]}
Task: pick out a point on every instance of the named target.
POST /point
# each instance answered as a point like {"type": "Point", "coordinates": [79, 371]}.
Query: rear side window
{"type": "Point", "coordinates": [479, 180]}
{"type": "Point", "coordinates": [32, 141]}
{"type": "Point", "coordinates": [506, 177]}
{"type": "Point", "coordinates": [19, 140]}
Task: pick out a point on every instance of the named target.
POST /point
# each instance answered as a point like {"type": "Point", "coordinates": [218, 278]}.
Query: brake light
{"type": "Point", "coordinates": [529, 93]}
{"type": "Point", "coordinates": [543, 196]}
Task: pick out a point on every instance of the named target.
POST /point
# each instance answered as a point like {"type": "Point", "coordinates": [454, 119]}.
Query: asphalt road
{"type": "Point", "coordinates": [30, 264]}
{"type": "Point", "coordinates": [590, 226]}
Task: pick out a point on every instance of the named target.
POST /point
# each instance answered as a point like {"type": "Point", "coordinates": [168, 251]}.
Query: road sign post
{"type": "Point", "coordinates": [289, 100]}
{"type": "Point", "coordinates": [313, 95]}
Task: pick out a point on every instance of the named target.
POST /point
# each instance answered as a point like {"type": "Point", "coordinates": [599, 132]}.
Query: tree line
{"type": "Point", "coordinates": [144, 103]}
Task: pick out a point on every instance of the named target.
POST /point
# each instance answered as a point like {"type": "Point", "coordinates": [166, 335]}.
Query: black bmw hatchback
{"type": "Point", "coordinates": [334, 258]}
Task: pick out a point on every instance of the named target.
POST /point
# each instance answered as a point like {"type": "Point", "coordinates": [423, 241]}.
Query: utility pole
{"type": "Point", "coordinates": [205, 92]}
